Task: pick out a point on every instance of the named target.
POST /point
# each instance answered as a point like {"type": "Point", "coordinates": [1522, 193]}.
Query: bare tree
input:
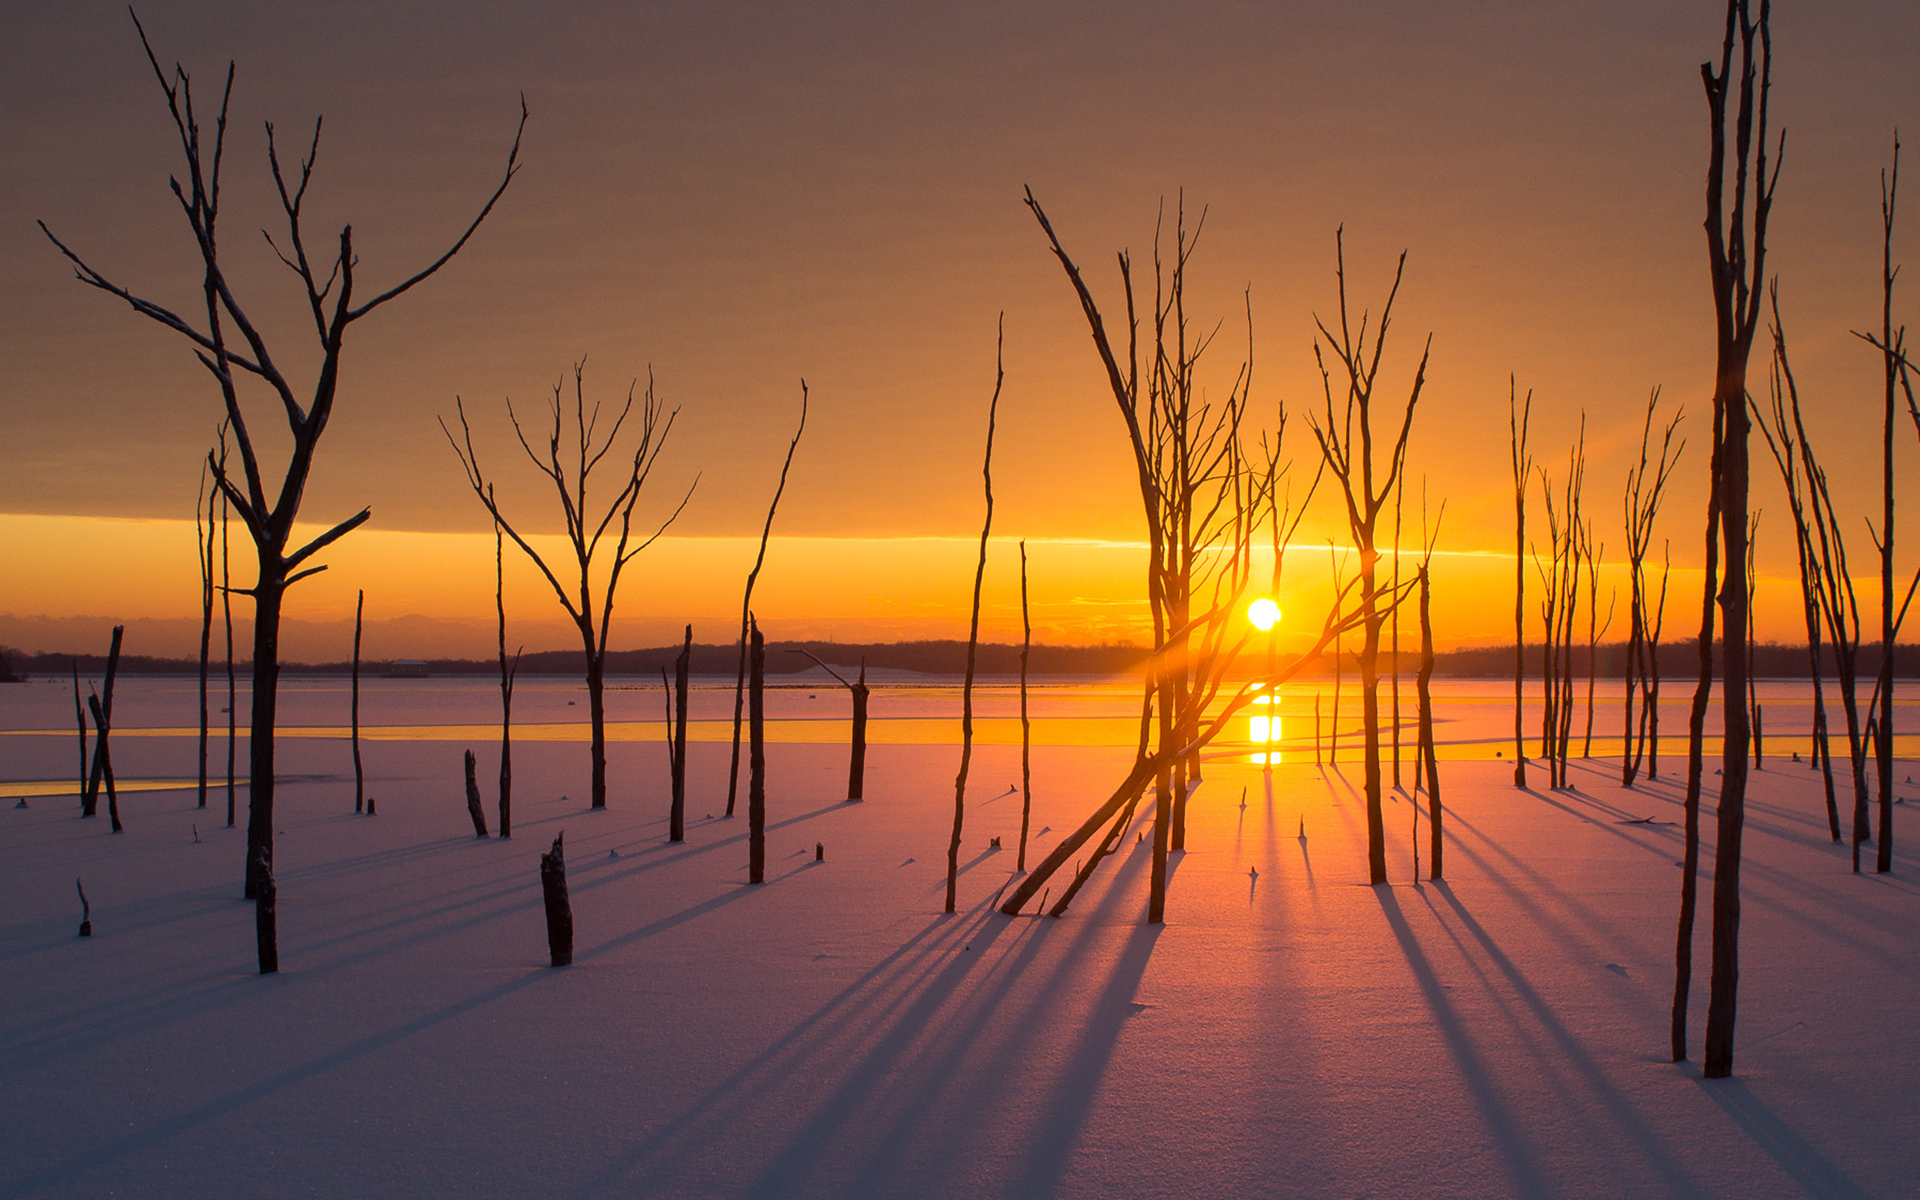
{"type": "Point", "coordinates": [570, 475]}
{"type": "Point", "coordinates": [756, 753]}
{"type": "Point", "coordinates": [1429, 752]}
{"type": "Point", "coordinates": [746, 598]}
{"type": "Point", "coordinates": [973, 630]}
{"type": "Point", "coordinates": [677, 746]}
{"type": "Point", "coordinates": [1517, 419]}
{"type": "Point", "coordinates": [102, 770]}
{"type": "Point", "coordinates": [508, 672]}
{"type": "Point", "coordinates": [328, 295]}
{"type": "Point", "coordinates": [1365, 487]}
{"type": "Point", "coordinates": [1738, 264]}
{"type": "Point", "coordinates": [359, 776]}
{"type": "Point", "coordinates": [203, 546]}
{"type": "Point", "coordinates": [858, 690]}
{"type": "Point", "coordinates": [1642, 667]}
{"type": "Point", "coordinates": [1026, 725]}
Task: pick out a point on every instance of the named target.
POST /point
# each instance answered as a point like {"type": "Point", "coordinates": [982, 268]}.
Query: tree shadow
{"type": "Point", "coordinates": [1817, 1176]}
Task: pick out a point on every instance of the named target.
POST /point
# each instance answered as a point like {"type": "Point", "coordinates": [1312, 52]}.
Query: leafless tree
{"type": "Point", "coordinates": [1737, 245]}
{"type": "Point", "coordinates": [570, 474]}
{"type": "Point", "coordinates": [973, 631]}
{"type": "Point", "coordinates": [1778, 430]}
{"type": "Point", "coordinates": [508, 672]}
{"type": "Point", "coordinates": [756, 753]}
{"type": "Point", "coordinates": [677, 739]}
{"type": "Point", "coordinates": [1365, 486]}
{"type": "Point", "coordinates": [1429, 752]}
{"type": "Point", "coordinates": [328, 295]}
{"type": "Point", "coordinates": [858, 690]}
{"type": "Point", "coordinates": [203, 546]}
{"type": "Point", "coordinates": [359, 775]}
{"type": "Point", "coordinates": [1646, 485]}
{"type": "Point", "coordinates": [746, 599]}
{"type": "Point", "coordinates": [1517, 419]}
{"type": "Point", "coordinates": [1026, 725]}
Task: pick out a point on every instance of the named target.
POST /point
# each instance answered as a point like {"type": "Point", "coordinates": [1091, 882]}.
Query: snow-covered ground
{"type": "Point", "coordinates": [831, 1033]}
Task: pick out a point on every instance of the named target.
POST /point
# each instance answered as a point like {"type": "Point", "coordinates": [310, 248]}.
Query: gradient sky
{"type": "Point", "coordinates": [740, 197]}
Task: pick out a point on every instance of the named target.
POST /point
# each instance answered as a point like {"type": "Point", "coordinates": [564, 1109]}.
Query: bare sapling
{"type": "Point", "coordinates": [677, 812]}
{"type": "Point", "coordinates": [1026, 725]}
{"type": "Point", "coordinates": [1646, 485]}
{"type": "Point", "coordinates": [570, 473]}
{"type": "Point", "coordinates": [203, 546]}
{"type": "Point", "coordinates": [973, 632]}
{"type": "Point", "coordinates": [509, 670]}
{"type": "Point", "coordinates": [1517, 419]}
{"type": "Point", "coordinates": [326, 291]}
{"type": "Point", "coordinates": [80, 718]}
{"type": "Point", "coordinates": [1366, 486]}
{"type": "Point", "coordinates": [1429, 752]}
{"type": "Point", "coordinates": [359, 774]}
{"type": "Point", "coordinates": [746, 598]}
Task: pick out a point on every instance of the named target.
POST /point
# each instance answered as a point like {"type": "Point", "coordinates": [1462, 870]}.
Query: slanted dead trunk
{"type": "Point", "coordinates": [478, 814]}
{"type": "Point", "coordinates": [102, 709]}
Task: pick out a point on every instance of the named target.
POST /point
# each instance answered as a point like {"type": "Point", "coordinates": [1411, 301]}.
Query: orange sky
{"type": "Point", "coordinates": [740, 198]}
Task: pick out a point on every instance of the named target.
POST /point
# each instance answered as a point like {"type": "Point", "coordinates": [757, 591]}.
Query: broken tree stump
{"type": "Point", "coordinates": [86, 910]}
{"type": "Point", "coordinates": [553, 890]}
{"type": "Point", "coordinates": [474, 810]}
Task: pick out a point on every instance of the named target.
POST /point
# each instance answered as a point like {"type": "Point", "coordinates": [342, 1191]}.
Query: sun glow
{"type": "Point", "coordinates": [1263, 614]}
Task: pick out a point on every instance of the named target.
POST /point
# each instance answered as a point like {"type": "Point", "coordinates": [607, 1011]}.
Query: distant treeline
{"type": "Point", "coordinates": [1678, 661]}
{"type": "Point", "coordinates": [930, 657]}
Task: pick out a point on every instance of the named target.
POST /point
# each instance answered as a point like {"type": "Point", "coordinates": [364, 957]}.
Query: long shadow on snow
{"type": "Point", "coordinates": [1813, 1172]}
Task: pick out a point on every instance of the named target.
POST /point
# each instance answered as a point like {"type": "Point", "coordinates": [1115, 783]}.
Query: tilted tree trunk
{"type": "Point", "coordinates": [1429, 754]}
{"type": "Point", "coordinates": [80, 718]}
{"type": "Point", "coordinates": [508, 672]}
{"type": "Point", "coordinates": [857, 753]}
{"type": "Point", "coordinates": [102, 709]}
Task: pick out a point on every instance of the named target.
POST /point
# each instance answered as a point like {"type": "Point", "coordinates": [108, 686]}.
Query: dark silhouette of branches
{"type": "Point", "coordinates": [570, 473]}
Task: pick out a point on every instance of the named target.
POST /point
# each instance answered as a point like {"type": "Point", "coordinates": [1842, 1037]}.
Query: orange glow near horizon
{"type": "Point", "coordinates": [431, 594]}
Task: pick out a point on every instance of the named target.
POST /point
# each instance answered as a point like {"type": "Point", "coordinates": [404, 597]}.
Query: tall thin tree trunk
{"type": "Point", "coordinates": [1429, 754]}
{"type": "Point", "coordinates": [474, 811]}
{"type": "Point", "coordinates": [205, 548]}
{"type": "Point", "coordinates": [233, 687]}
{"type": "Point", "coordinates": [1894, 361]}
{"type": "Point", "coordinates": [973, 640]}
{"type": "Point", "coordinates": [359, 775]}
{"type": "Point", "coordinates": [682, 668]}
{"type": "Point", "coordinates": [80, 717]}
{"type": "Point", "coordinates": [597, 714]}
{"type": "Point", "coordinates": [756, 753]}
{"type": "Point", "coordinates": [1696, 750]}
{"type": "Point", "coordinates": [1517, 421]}
{"type": "Point", "coordinates": [1026, 726]}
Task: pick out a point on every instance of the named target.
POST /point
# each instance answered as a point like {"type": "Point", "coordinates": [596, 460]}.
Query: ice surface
{"type": "Point", "coordinates": [831, 1033]}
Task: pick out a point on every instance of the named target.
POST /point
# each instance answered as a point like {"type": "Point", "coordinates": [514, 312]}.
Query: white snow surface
{"type": "Point", "coordinates": [833, 1033]}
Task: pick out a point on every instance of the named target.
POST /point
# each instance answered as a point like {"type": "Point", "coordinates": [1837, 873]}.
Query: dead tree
{"type": "Point", "coordinates": [226, 623]}
{"type": "Point", "coordinates": [80, 718]}
{"type": "Point", "coordinates": [1596, 630]}
{"type": "Point", "coordinates": [203, 546]}
{"type": "Point", "coordinates": [1892, 347]}
{"type": "Point", "coordinates": [102, 769]}
{"type": "Point", "coordinates": [756, 753]}
{"type": "Point", "coordinates": [1753, 686]}
{"type": "Point", "coordinates": [553, 894]}
{"type": "Point", "coordinates": [1026, 726]}
{"type": "Point", "coordinates": [973, 633]}
{"type": "Point", "coordinates": [1195, 490]}
{"type": "Point", "coordinates": [746, 598]}
{"type": "Point", "coordinates": [508, 672]}
{"type": "Point", "coordinates": [1365, 487]}
{"type": "Point", "coordinates": [1650, 705]}
{"type": "Point", "coordinates": [1517, 419]}
{"type": "Point", "coordinates": [570, 475]}
{"type": "Point", "coordinates": [327, 292]}
{"type": "Point", "coordinates": [677, 814]}
{"type": "Point", "coordinates": [1643, 495]}
{"type": "Point", "coordinates": [1781, 442]}
{"type": "Point", "coordinates": [858, 690]}
{"type": "Point", "coordinates": [1429, 753]}
{"type": "Point", "coordinates": [1738, 263]}
{"type": "Point", "coordinates": [1399, 488]}
{"type": "Point", "coordinates": [478, 814]}
{"type": "Point", "coordinates": [359, 776]}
